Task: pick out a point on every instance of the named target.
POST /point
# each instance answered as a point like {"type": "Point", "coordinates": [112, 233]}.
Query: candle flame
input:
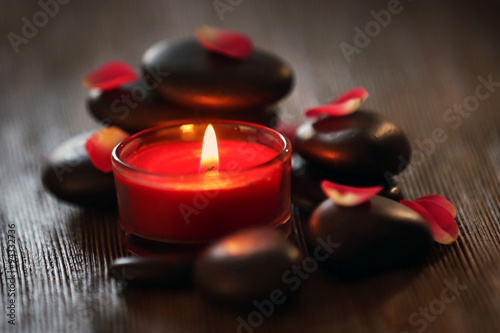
{"type": "Point", "coordinates": [209, 161]}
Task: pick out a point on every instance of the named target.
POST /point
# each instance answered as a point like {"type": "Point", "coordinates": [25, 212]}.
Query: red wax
{"type": "Point", "coordinates": [251, 188]}
{"type": "Point", "coordinates": [183, 158]}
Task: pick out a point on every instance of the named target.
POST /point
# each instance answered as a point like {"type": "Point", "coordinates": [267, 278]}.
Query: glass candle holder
{"type": "Point", "coordinates": [163, 196]}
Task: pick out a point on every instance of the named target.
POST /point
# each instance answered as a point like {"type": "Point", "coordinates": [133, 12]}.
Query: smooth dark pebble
{"type": "Point", "coordinates": [134, 108]}
{"type": "Point", "coordinates": [70, 176]}
{"type": "Point", "coordinates": [393, 193]}
{"type": "Point", "coordinates": [191, 76]}
{"type": "Point", "coordinates": [377, 236]}
{"type": "Point", "coordinates": [169, 271]}
{"type": "Point", "coordinates": [246, 266]}
{"type": "Point", "coordinates": [307, 178]}
{"type": "Point", "coordinates": [362, 144]}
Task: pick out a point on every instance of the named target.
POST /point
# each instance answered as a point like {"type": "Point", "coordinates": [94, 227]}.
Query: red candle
{"type": "Point", "coordinates": [181, 184]}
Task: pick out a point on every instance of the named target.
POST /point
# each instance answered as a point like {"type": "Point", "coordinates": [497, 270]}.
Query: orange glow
{"type": "Point", "coordinates": [209, 161]}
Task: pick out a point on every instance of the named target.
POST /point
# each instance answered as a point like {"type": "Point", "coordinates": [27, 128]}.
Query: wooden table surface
{"type": "Point", "coordinates": [429, 58]}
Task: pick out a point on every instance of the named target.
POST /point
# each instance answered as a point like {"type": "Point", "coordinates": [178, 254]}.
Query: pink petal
{"type": "Point", "coordinates": [440, 200]}
{"type": "Point", "coordinates": [354, 93]}
{"type": "Point", "coordinates": [229, 43]}
{"type": "Point", "coordinates": [347, 195]}
{"type": "Point", "coordinates": [344, 105]}
{"type": "Point", "coordinates": [111, 75]}
{"type": "Point", "coordinates": [437, 217]}
{"type": "Point", "coordinates": [443, 217]}
{"type": "Point", "coordinates": [100, 145]}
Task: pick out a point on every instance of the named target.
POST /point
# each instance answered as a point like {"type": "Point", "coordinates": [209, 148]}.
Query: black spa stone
{"type": "Point", "coordinates": [307, 178]}
{"type": "Point", "coordinates": [246, 266]}
{"type": "Point", "coordinates": [168, 271]}
{"type": "Point", "coordinates": [195, 77]}
{"type": "Point", "coordinates": [376, 236]}
{"type": "Point", "coordinates": [133, 107]}
{"type": "Point", "coordinates": [362, 144]}
{"type": "Point", "coordinates": [70, 176]}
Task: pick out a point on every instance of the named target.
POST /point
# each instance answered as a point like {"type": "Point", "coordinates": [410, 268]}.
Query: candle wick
{"type": "Point", "coordinates": [210, 167]}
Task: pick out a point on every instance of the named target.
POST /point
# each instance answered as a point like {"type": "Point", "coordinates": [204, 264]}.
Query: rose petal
{"type": "Point", "coordinates": [229, 43]}
{"type": "Point", "coordinates": [355, 93]}
{"type": "Point", "coordinates": [443, 217]}
{"type": "Point", "coordinates": [344, 105]}
{"type": "Point", "coordinates": [110, 75]}
{"type": "Point", "coordinates": [100, 145]}
{"type": "Point", "coordinates": [348, 195]}
{"type": "Point", "coordinates": [442, 201]}
{"type": "Point", "coordinates": [436, 217]}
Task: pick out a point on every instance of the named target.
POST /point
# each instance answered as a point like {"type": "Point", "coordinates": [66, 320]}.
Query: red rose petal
{"type": "Point", "coordinates": [100, 145]}
{"type": "Point", "coordinates": [348, 195]}
{"type": "Point", "coordinates": [344, 105]}
{"type": "Point", "coordinates": [359, 93]}
{"type": "Point", "coordinates": [442, 216]}
{"type": "Point", "coordinates": [334, 110]}
{"type": "Point", "coordinates": [439, 219]}
{"type": "Point", "coordinates": [229, 43]}
{"type": "Point", "coordinates": [442, 201]}
{"type": "Point", "coordinates": [110, 75]}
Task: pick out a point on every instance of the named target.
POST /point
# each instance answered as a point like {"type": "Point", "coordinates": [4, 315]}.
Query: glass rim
{"type": "Point", "coordinates": [118, 163]}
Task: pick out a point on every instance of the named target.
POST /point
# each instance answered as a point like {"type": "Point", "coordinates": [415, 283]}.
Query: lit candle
{"type": "Point", "coordinates": [200, 181]}
{"type": "Point", "coordinates": [209, 160]}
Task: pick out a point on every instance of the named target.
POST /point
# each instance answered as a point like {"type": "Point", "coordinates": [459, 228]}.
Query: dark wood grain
{"type": "Point", "coordinates": [426, 60]}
